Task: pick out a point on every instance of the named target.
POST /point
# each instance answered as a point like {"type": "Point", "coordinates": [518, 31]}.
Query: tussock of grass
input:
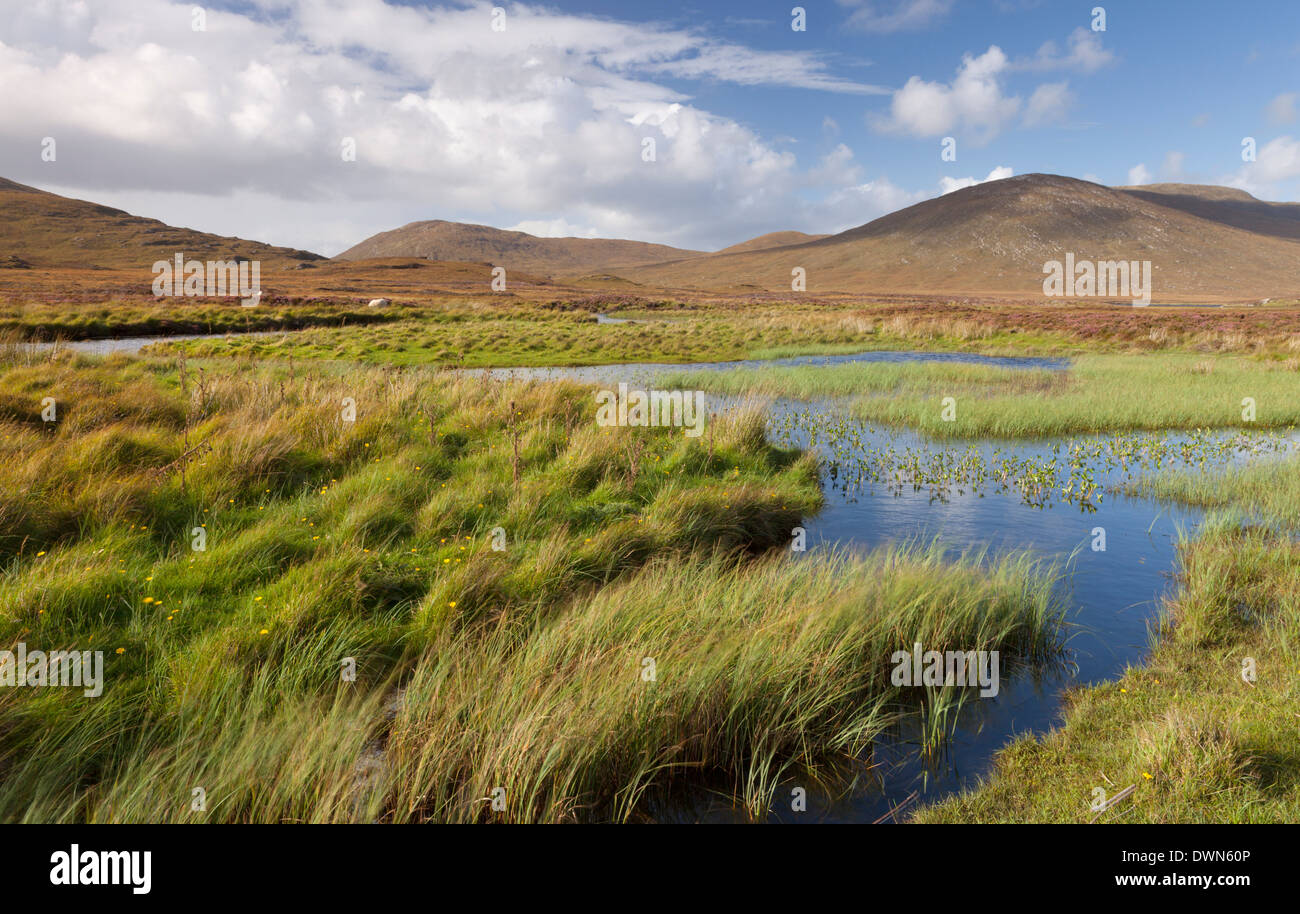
{"type": "Point", "coordinates": [760, 669]}
{"type": "Point", "coordinates": [498, 330]}
{"type": "Point", "coordinates": [173, 315]}
{"type": "Point", "coordinates": [523, 335]}
{"type": "Point", "coordinates": [325, 539]}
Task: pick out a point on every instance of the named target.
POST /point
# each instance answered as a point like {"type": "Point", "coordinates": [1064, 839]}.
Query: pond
{"type": "Point", "coordinates": [969, 501]}
{"type": "Point", "coordinates": [131, 345]}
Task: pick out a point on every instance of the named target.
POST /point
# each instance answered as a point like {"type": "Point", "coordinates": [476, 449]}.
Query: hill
{"type": "Point", "coordinates": [458, 241]}
{"type": "Point", "coordinates": [43, 229]}
{"type": "Point", "coordinates": [1227, 205]}
{"type": "Point", "coordinates": [995, 238]}
{"type": "Point", "coordinates": [772, 240]}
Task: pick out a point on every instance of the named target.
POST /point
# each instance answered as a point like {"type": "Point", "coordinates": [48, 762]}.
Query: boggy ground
{"type": "Point", "coordinates": [444, 313]}
{"type": "Point", "coordinates": [565, 618]}
{"type": "Point", "coordinates": [481, 670]}
{"type": "Point", "coordinates": [1096, 394]}
{"type": "Point", "coordinates": [1200, 741]}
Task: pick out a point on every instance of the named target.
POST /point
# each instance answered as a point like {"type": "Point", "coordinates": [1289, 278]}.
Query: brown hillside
{"type": "Point", "coordinates": [995, 238]}
{"type": "Point", "coordinates": [1225, 204]}
{"type": "Point", "coordinates": [772, 240]}
{"type": "Point", "coordinates": [47, 230]}
{"type": "Point", "coordinates": [440, 240]}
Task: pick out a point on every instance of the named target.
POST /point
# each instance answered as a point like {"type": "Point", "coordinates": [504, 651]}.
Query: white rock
{"type": "Point", "coordinates": [379, 303]}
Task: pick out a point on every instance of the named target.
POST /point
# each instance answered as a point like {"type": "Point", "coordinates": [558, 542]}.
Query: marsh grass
{"type": "Point", "coordinates": [1097, 394]}
{"type": "Point", "coordinates": [503, 331]}
{"type": "Point", "coordinates": [520, 335]}
{"type": "Point", "coordinates": [1267, 491]}
{"type": "Point", "coordinates": [143, 316]}
{"type": "Point", "coordinates": [372, 539]}
{"type": "Point", "coordinates": [900, 379]}
{"type": "Point", "coordinates": [1201, 744]}
{"type": "Point", "coordinates": [761, 669]}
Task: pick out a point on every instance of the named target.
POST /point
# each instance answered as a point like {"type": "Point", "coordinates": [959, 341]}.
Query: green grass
{"type": "Point", "coordinates": [521, 670]}
{"type": "Point", "coordinates": [761, 670]}
{"type": "Point", "coordinates": [896, 379]}
{"type": "Point", "coordinates": [475, 333]}
{"type": "Point", "coordinates": [1199, 743]}
{"type": "Point", "coordinates": [170, 316]}
{"type": "Point", "coordinates": [535, 336]}
{"type": "Point", "coordinates": [1097, 394]}
{"type": "Point", "coordinates": [1267, 491]}
{"type": "Point", "coordinates": [373, 540]}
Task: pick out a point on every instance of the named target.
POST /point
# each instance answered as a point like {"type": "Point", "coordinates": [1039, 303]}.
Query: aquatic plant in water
{"type": "Point", "coordinates": [858, 458]}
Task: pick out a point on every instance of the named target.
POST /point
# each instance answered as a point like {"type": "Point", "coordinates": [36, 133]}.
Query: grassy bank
{"type": "Point", "coordinates": [501, 331]}
{"type": "Point", "coordinates": [489, 335]}
{"type": "Point", "coordinates": [496, 567]}
{"type": "Point", "coordinates": [769, 668]}
{"type": "Point", "coordinates": [142, 316]}
{"type": "Point", "coordinates": [761, 671]}
{"type": "Point", "coordinates": [920, 380]}
{"type": "Point", "coordinates": [1097, 394]}
{"type": "Point", "coordinates": [1198, 742]}
{"type": "Point", "coordinates": [1269, 491]}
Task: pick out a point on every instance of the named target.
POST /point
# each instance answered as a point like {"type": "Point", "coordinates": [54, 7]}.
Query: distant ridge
{"type": "Point", "coordinates": [438, 239]}
{"type": "Point", "coordinates": [772, 240]}
{"type": "Point", "coordinates": [47, 230]}
{"type": "Point", "coordinates": [1225, 204]}
{"type": "Point", "coordinates": [995, 237]}
{"type": "Point", "coordinates": [1204, 243]}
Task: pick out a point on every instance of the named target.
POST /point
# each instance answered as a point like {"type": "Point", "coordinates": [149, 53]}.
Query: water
{"type": "Point", "coordinates": [645, 374]}
{"type": "Point", "coordinates": [131, 345]}
{"type": "Point", "coordinates": [1113, 595]}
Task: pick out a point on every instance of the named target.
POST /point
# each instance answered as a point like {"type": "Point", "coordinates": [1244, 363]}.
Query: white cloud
{"type": "Point", "coordinates": [948, 185]}
{"type": "Point", "coordinates": [895, 15]}
{"type": "Point", "coordinates": [1282, 109]}
{"type": "Point", "coordinates": [1139, 174]}
{"type": "Point", "coordinates": [1277, 161]}
{"type": "Point", "coordinates": [973, 102]}
{"type": "Point", "coordinates": [853, 206]}
{"type": "Point", "coordinates": [744, 66]}
{"type": "Point", "coordinates": [553, 228]}
{"type": "Point", "coordinates": [1084, 53]}
{"type": "Point", "coordinates": [1049, 104]}
{"type": "Point", "coordinates": [239, 128]}
{"type": "Point", "coordinates": [1172, 167]}
{"type": "Point", "coordinates": [836, 169]}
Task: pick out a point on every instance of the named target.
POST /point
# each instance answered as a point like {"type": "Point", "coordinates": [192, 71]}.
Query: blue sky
{"type": "Point", "coordinates": [537, 121]}
{"type": "Point", "coordinates": [1188, 78]}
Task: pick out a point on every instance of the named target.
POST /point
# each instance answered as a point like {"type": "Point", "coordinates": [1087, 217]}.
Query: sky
{"type": "Point", "coordinates": [316, 123]}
